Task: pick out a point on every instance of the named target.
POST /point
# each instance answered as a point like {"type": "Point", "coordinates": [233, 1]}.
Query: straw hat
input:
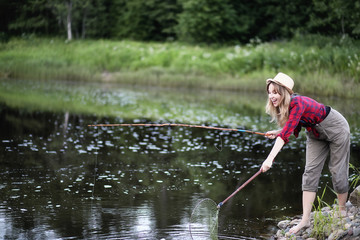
{"type": "Point", "coordinates": [283, 80]}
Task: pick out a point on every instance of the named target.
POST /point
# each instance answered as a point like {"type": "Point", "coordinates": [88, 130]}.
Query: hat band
{"type": "Point", "coordinates": [279, 83]}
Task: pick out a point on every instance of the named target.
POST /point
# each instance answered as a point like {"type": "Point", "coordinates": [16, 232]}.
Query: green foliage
{"type": "Point", "coordinates": [88, 17]}
{"type": "Point", "coordinates": [325, 66]}
{"type": "Point", "coordinates": [33, 17]}
{"type": "Point", "coordinates": [335, 17]}
{"type": "Point", "coordinates": [325, 218]}
{"type": "Point", "coordinates": [280, 19]}
{"type": "Point", "coordinates": [145, 20]}
{"type": "Point", "coordinates": [207, 21]}
{"type": "Point", "coordinates": [355, 177]}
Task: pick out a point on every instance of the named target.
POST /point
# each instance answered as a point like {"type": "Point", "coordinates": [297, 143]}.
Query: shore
{"type": "Point", "coordinates": [326, 223]}
{"type": "Point", "coordinates": [326, 68]}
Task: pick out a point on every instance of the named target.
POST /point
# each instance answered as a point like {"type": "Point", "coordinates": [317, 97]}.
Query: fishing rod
{"type": "Point", "coordinates": [174, 125]}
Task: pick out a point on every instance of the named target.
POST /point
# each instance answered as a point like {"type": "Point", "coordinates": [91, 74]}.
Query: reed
{"type": "Point", "coordinates": [321, 65]}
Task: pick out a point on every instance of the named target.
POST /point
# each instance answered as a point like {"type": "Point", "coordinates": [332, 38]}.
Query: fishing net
{"type": "Point", "coordinates": [204, 220]}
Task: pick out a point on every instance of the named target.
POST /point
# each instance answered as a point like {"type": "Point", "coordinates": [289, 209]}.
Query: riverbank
{"type": "Point", "coordinates": [322, 66]}
{"type": "Point", "coordinates": [326, 223]}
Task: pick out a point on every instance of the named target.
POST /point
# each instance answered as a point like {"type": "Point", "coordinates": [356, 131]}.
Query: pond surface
{"type": "Point", "coordinates": [60, 178]}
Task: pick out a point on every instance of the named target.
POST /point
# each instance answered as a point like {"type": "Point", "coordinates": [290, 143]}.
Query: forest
{"type": "Point", "coordinates": [207, 44]}
{"type": "Point", "coordinates": [192, 21]}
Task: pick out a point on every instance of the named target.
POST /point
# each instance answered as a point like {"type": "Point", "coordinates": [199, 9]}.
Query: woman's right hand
{"type": "Point", "coordinates": [267, 164]}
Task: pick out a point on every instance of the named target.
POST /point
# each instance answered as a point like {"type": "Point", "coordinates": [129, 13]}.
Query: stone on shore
{"type": "Point", "coordinates": [334, 226]}
{"type": "Point", "coordinates": [355, 197]}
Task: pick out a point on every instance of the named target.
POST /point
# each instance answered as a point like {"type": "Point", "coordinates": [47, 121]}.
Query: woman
{"type": "Point", "coordinates": [327, 132]}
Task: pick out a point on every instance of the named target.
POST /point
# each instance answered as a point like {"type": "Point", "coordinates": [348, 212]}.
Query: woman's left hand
{"type": "Point", "coordinates": [272, 134]}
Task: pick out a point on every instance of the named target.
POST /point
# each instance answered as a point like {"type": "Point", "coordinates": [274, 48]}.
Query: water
{"type": "Point", "coordinates": [61, 179]}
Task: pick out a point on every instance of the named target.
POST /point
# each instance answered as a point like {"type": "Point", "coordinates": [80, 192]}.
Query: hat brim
{"type": "Point", "coordinates": [270, 80]}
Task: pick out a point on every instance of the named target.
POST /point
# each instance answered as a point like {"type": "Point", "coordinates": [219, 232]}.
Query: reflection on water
{"type": "Point", "coordinates": [60, 178]}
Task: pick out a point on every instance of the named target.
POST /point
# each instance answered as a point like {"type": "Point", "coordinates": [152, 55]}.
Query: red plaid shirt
{"type": "Point", "coordinates": [303, 112]}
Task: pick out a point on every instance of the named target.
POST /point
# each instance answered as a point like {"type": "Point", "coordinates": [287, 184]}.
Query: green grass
{"type": "Point", "coordinates": [319, 65]}
{"type": "Point", "coordinates": [326, 222]}
{"type": "Point", "coordinates": [355, 177]}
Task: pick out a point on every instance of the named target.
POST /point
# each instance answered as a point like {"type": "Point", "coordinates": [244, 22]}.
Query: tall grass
{"type": "Point", "coordinates": [326, 219]}
{"type": "Point", "coordinates": [355, 177]}
{"type": "Point", "coordinates": [325, 66]}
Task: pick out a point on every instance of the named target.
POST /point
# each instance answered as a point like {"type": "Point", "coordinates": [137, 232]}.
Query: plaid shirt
{"type": "Point", "coordinates": [303, 112]}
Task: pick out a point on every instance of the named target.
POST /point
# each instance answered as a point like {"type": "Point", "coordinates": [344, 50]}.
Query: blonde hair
{"type": "Point", "coordinates": [279, 114]}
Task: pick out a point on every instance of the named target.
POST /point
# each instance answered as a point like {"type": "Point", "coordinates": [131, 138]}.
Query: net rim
{"type": "Point", "coordinates": [196, 209]}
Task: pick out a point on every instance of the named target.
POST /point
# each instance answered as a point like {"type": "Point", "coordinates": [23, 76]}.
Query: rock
{"type": "Point", "coordinates": [337, 234]}
{"type": "Point", "coordinates": [279, 234]}
{"type": "Point", "coordinates": [355, 197]}
{"type": "Point", "coordinates": [348, 204]}
{"type": "Point", "coordinates": [283, 224]}
{"type": "Point", "coordinates": [335, 228]}
{"type": "Point", "coordinates": [347, 225]}
{"type": "Point", "coordinates": [356, 231]}
{"type": "Point", "coordinates": [295, 222]}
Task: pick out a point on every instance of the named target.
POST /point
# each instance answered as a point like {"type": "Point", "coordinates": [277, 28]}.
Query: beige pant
{"type": "Point", "coordinates": [334, 139]}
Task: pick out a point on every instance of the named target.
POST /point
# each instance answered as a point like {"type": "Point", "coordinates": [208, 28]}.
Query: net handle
{"type": "Point", "coordinates": [241, 187]}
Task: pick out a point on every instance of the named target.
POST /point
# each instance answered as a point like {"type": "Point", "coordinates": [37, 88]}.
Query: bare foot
{"type": "Point", "coordinates": [340, 214]}
{"type": "Point", "coordinates": [298, 227]}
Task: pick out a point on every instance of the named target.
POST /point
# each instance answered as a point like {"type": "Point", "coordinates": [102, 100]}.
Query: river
{"type": "Point", "coordinates": [62, 179]}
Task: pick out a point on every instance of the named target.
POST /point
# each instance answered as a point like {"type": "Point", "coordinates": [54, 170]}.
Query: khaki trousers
{"type": "Point", "coordinates": [334, 139]}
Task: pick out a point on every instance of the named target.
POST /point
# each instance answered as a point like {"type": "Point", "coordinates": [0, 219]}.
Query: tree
{"type": "Point", "coordinates": [355, 18]}
{"type": "Point", "coordinates": [82, 17]}
{"type": "Point", "coordinates": [68, 18]}
{"type": "Point", "coordinates": [276, 19]}
{"type": "Point", "coordinates": [146, 20]}
{"type": "Point", "coordinates": [95, 20]}
{"type": "Point", "coordinates": [335, 17]}
{"type": "Point", "coordinates": [32, 16]}
{"type": "Point", "coordinates": [207, 21]}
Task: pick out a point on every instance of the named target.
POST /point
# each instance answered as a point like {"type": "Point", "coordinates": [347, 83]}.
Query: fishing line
{"type": "Point", "coordinates": [96, 161]}
{"type": "Point", "coordinates": [178, 125]}
{"type": "Point", "coordinates": [174, 125]}
{"type": "Point", "coordinates": [221, 145]}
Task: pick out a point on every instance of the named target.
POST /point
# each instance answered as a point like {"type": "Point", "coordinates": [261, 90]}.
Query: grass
{"type": "Point", "coordinates": [355, 177]}
{"type": "Point", "coordinates": [324, 222]}
{"type": "Point", "coordinates": [325, 66]}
